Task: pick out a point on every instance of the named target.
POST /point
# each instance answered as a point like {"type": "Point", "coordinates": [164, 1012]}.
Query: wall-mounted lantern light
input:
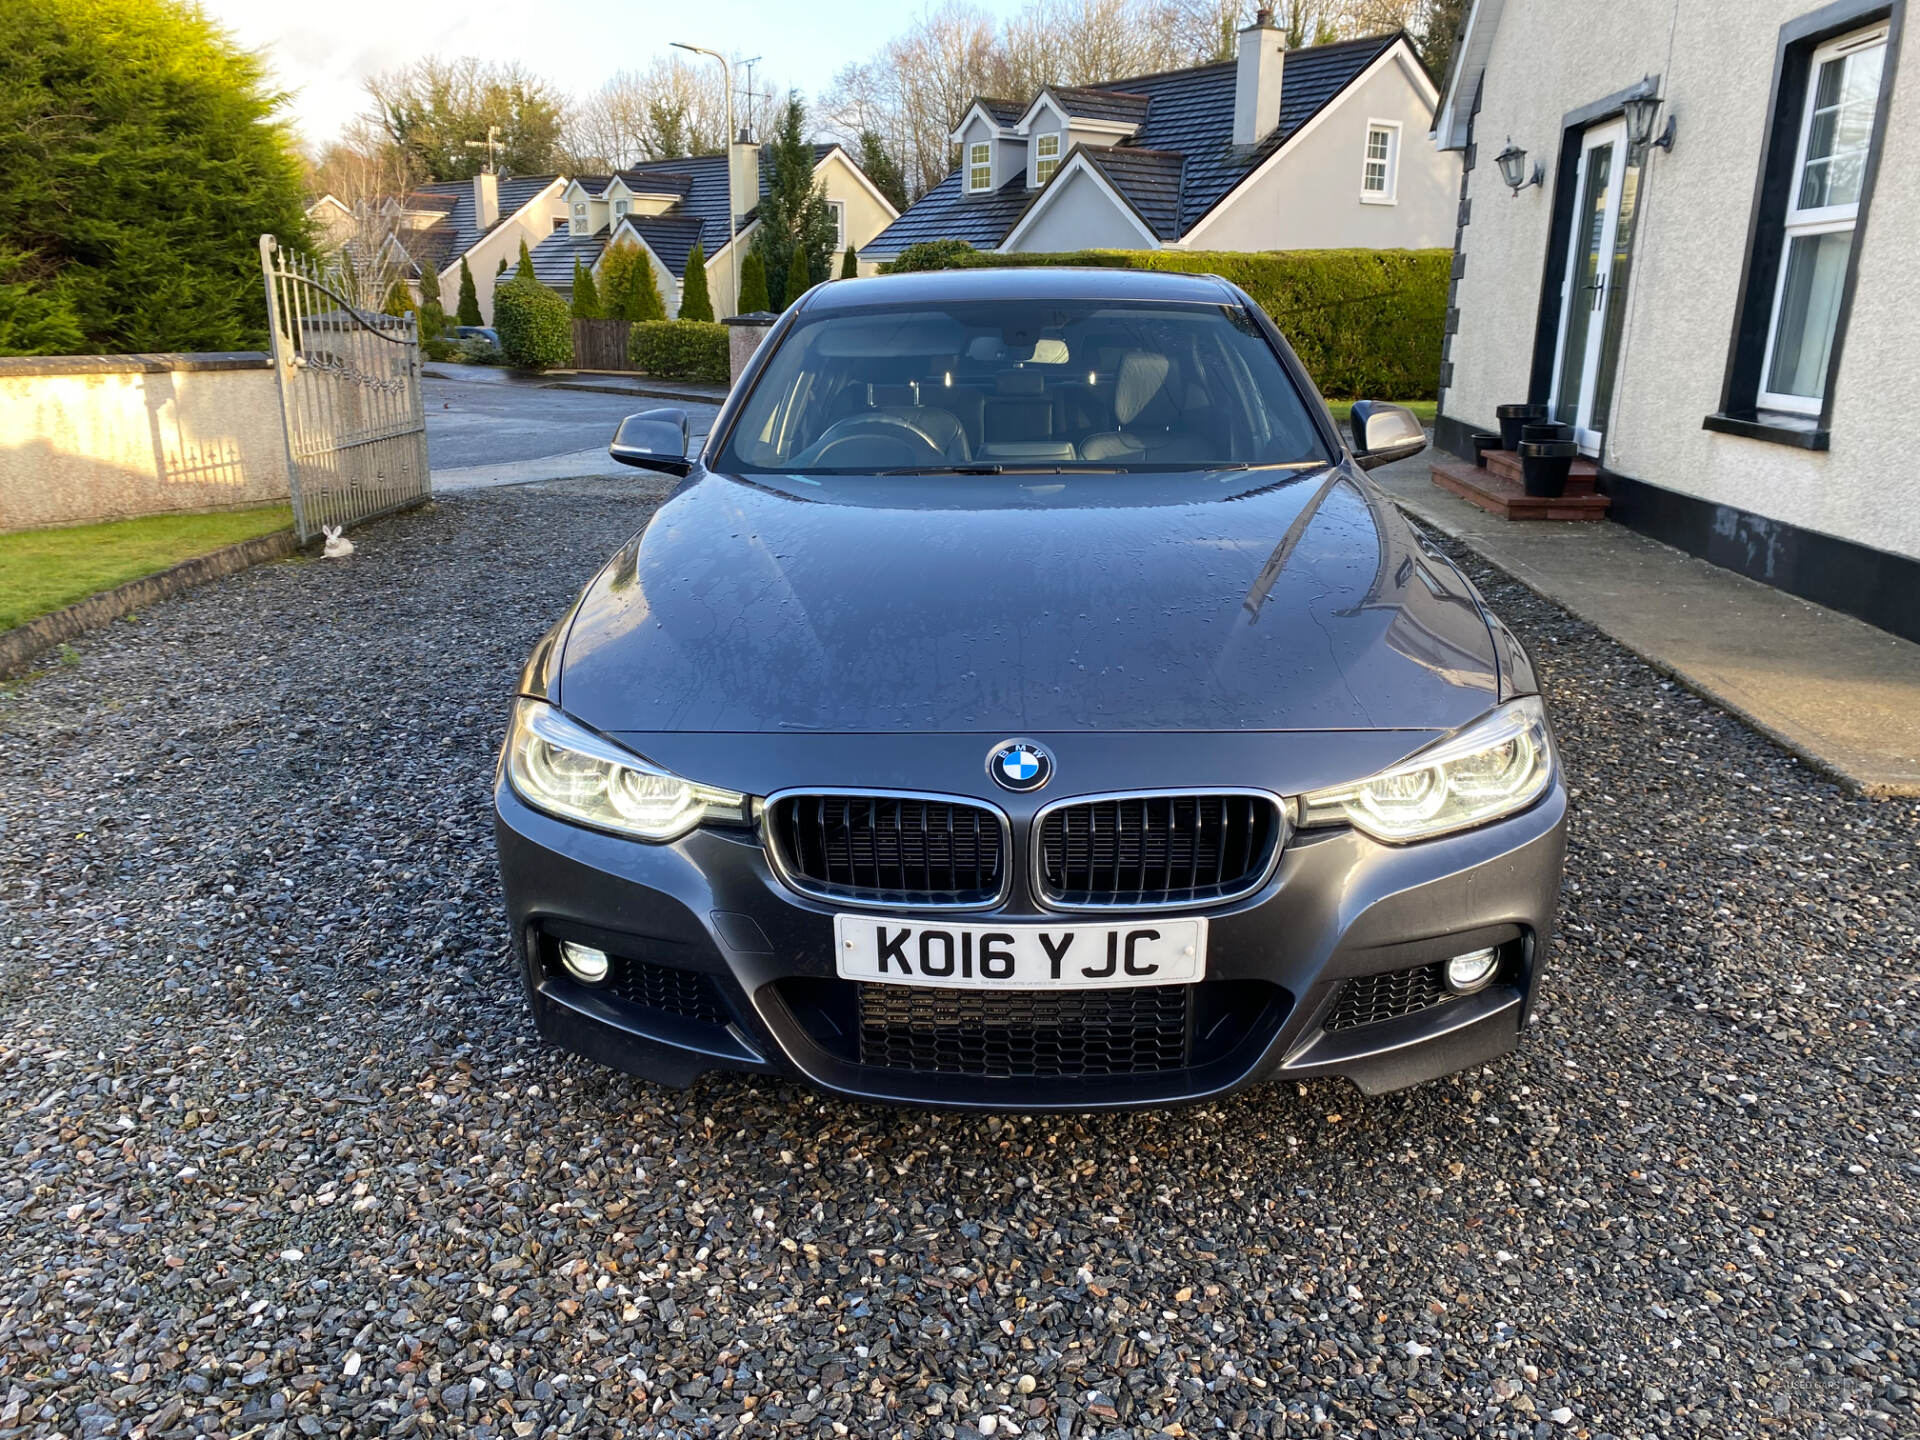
{"type": "Point", "coordinates": [1642, 114]}
{"type": "Point", "coordinates": [1513, 168]}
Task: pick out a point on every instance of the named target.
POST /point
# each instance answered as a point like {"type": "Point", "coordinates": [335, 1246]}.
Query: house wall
{"type": "Point", "coordinates": [110, 437]}
{"type": "Point", "coordinates": [533, 222]}
{"type": "Point", "coordinates": [1309, 197]}
{"type": "Point", "coordinates": [867, 213]}
{"type": "Point", "coordinates": [1688, 255]}
{"type": "Point", "coordinates": [1080, 216]}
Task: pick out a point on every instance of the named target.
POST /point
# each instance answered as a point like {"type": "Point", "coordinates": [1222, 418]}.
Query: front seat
{"type": "Point", "coordinates": [1146, 412]}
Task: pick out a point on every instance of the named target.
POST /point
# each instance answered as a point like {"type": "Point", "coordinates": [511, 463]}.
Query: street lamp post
{"type": "Point", "coordinates": [726, 85]}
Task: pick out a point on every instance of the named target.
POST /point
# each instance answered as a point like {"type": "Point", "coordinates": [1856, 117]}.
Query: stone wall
{"type": "Point", "coordinates": [109, 437]}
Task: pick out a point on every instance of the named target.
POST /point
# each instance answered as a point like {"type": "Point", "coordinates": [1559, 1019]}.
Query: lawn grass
{"type": "Point", "coordinates": [44, 570]}
{"type": "Point", "coordinates": [1425, 409]}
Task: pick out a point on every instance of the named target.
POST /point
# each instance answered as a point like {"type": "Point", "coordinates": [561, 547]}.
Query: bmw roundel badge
{"type": "Point", "coordinates": [1020, 765]}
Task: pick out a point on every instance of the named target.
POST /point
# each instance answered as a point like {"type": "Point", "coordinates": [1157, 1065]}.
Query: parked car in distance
{"type": "Point", "coordinates": [476, 332]}
{"type": "Point", "coordinates": [1024, 700]}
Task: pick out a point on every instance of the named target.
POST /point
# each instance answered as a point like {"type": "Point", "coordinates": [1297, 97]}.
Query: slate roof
{"type": "Point", "coordinates": [1090, 102]}
{"type": "Point", "coordinates": [1004, 112]}
{"type": "Point", "coordinates": [1148, 178]}
{"type": "Point", "coordinates": [699, 217]}
{"type": "Point", "coordinates": [515, 192]}
{"type": "Point", "coordinates": [1189, 113]}
{"type": "Point", "coordinates": [671, 237]}
{"type": "Point", "coordinates": [553, 257]}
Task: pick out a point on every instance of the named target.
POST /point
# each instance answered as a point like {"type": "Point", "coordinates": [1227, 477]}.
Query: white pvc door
{"type": "Point", "coordinates": [1589, 274]}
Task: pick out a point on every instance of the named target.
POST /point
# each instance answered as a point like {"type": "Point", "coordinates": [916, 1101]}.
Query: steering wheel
{"type": "Point", "coordinates": [911, 445]}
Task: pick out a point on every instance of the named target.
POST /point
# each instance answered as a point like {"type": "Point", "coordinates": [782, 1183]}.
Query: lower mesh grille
{"type": "Point", "coordinates": [1370, 999]}
{"type": "Point", "coordinates": [685, 993]}
{"type": "Point", "coordinates": [1026, 1032]}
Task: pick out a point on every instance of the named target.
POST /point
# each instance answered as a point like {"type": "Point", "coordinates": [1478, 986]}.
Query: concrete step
{"type": "Point", "coordinates": [1507, 498]}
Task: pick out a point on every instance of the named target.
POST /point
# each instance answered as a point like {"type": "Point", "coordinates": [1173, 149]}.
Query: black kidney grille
{"type": "Point", "coordinates": [1026, 1032]}
{"type": "Point", "coordinates": [1370, 999]}
{"type": "Point", "coordinates": [685, 993]}
{"type": "Point", "coordinates": [1157, 849]}
{"type": "Point", "coordinates": [888, 847]}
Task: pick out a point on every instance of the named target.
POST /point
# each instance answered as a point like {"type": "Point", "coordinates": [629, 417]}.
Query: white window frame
{"type": "Point", "coordinates": [579, 221]}
{"type": "Point", "coordinates": [620, 207]}
{"type": "Point", "coordinates": [1390, 193]}
{"type": "Point", "coordinates": [979, 158]}
{"type": "Point", "coordinates": [838, 209]}
{"type": "Point", "coordinates": [1820, 220]}
{"type": "Point", "coordinates": [1046, 164]}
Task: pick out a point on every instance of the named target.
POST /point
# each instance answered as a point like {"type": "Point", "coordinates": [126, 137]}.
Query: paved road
{"type": "Point", "coordinates": [280, 1155]}
{"type": "Point", "coordinates": [485, 431]}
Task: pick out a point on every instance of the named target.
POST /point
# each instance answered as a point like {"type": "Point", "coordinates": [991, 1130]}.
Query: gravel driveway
{"type": "Point", "coordinates": [280, 1155]}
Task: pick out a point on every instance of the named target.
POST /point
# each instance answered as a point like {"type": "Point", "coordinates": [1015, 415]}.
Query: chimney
{"type": "Point", "coordinates": [486, 200]}
{"type": "Point", "coordinates": [1256, 86]}
{"type": "Point", "coordinates": [743, 173]}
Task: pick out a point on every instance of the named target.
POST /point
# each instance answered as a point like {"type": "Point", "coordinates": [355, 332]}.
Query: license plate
{"type": "Point", "coordinates": [1021, 957]}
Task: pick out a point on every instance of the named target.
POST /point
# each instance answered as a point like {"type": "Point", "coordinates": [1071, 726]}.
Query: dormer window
{"type": "Point", "coordinates": [619, 208]}
{"type": "Point", "coordinates": [1046, 157]}
{"type": "Point", "coordinates": [979, 168]}
{"type": "Point", "coordinates": [579, 217]}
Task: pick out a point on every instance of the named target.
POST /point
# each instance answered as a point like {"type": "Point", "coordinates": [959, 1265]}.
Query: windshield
{"type": "Point", "coordinates": [1014, 386]}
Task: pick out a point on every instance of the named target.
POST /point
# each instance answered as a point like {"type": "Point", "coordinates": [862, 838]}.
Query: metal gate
{"type": "Point", "coordinates": [349, 395]}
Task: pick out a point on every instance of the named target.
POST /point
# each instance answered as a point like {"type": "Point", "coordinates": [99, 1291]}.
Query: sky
{"type": "Point", "coordinates": [322, 52]}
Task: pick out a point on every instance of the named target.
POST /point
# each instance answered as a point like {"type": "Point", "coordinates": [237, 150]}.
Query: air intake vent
{"type": "Point", "coordinates": [1135, 850]}
{"type": "Point", "coordinates": [890, 849]}
{"type": "Point", "coordinates": [685, 993]}
{"type": "Point", "coordinates": [1371, 999]}
{"type": "Point", "coordinates": [1027, 1032]}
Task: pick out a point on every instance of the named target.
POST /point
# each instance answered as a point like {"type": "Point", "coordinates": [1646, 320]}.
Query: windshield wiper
{"type": "Point", "coordinates": [990, 467]}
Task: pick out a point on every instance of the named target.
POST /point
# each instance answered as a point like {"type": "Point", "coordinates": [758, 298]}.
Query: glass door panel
{"type": "Point", "coordinates": [1595, 275]}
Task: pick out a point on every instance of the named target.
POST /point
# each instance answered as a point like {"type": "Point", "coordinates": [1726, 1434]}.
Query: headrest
{"type": "Point", "coordinates": [1142, 373]}
{"type": "Point", "coordinates": [1020, 382]}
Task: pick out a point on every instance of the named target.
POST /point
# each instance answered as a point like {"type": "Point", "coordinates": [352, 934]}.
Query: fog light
{"type": "Point", "coordinates": [1470, 972]}
{"type": "Point", "coordinates": [586, 964]}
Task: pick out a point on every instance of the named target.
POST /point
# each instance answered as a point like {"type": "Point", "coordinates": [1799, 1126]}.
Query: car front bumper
{"type": "Point", "coordinates": [740, 968]}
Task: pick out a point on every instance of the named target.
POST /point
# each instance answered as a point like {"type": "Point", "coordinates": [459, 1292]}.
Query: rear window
{"type": "Point", "coordinates": [1021, 386]}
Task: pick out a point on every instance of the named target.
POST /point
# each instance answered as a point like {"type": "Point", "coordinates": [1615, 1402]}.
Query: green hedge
{"type": "Point", "coordinates": [536, 328]}
{"type": "Point", "coordinates": [1365, 323]}
{"type": "Point", "coordinates": [680, 349]}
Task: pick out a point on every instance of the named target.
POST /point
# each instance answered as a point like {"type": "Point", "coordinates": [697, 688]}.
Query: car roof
{"type": "Point", "coordinates": [1026, 282]}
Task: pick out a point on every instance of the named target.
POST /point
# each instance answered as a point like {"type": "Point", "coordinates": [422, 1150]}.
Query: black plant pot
{"type": "Point", "coordinates": [1546, 432]}
{"type": "Point", "coordinates": [1544, 465]}
{"type": "Point", "coordinates": [1482, 443]}
{"type": "Point", "coordinates": [1512, 417]}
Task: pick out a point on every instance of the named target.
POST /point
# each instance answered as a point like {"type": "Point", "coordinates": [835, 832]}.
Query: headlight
{"type": "Point", "coordinates": [565, 769]}
{"type": "Point", "coordinates": [1496, 766]}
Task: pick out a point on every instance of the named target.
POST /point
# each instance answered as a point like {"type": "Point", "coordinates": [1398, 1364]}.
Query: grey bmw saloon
{"type": "Point", "coordinates": [1025, 700]}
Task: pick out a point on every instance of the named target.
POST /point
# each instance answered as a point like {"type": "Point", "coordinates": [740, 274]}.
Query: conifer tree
{"type": "Point", "coordinates": [433, 316]}
{"type": "Point", "coordinates": [695, 302]}
{"type": "Point", "coordinates": [643, 300]}
{"type": "Point", "coordinates": [503, 266]}
{"type": "Point", "coordinates": [850, 267]}
{"type": "Point", "coordinates": [469, 311]}
{"type": "Point", "coordinates": [586, 298]}
{"type": "Point", "coordinates": [524, 270]}
{"type": "Point", "coordinates": [753, 285]}
{"type": "Point", "coordinates": [798, 282]}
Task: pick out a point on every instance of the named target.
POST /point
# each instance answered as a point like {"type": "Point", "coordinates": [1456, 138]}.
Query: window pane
{"type": "Point", "coordinates": [1846, 93]}
{"type": "Point", "coordinates": [1587, 280]}
{"type": "Point", "coordinates": [1809, 305]}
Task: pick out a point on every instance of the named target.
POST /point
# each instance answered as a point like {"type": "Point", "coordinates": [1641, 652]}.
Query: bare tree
{"type": "Point", "coordinates": [674, 106]}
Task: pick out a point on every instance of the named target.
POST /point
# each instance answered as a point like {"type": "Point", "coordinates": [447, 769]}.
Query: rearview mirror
{"type": "Point", "coordinates": [1383, 433]}
{"type": "Point", "coordinates": [653, 440]}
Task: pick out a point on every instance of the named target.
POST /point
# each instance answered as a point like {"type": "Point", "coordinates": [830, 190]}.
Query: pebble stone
{"type": "Point", "coordinates": [280, 1154]}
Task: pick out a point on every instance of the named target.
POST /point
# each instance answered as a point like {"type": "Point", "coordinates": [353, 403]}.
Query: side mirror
{"type": "Point", "coordinates": [1383, 433]}
{"type": "Point", "coordinates": [653, 440]}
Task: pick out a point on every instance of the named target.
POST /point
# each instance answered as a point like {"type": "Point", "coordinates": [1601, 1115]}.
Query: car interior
{"type": "Point", "coordinates": [1106, 386]}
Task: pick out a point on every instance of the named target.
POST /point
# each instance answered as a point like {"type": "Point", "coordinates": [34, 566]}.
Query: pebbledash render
{"type": "Point", "coordinates": [1740, 359]}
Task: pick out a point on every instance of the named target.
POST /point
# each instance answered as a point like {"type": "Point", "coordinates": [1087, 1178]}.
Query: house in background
{"type": "Point", "coordinates": [1317, 148]}
{"type": "Point", "coordinates": [332, 220]}
{"type": "Point", "coordinates": [1725, 315]}
{"type": "Point", "coordinates": [666, 207]}
{"type": "Point", "coordinates": [483, 221]}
